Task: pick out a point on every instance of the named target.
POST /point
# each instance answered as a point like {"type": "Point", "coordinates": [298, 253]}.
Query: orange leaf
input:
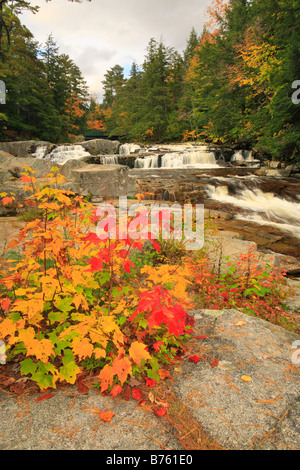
{"type": "Point", "coordinates": [106, 376]}
{"type": "Point", "coordinates": [5, 303]}
{"type": "Point", "coordinates": [45, 397]}
{"type": "Point", "coordinates": [121, 368]}
{"type": "Point", "coordinates": [7, 200]}
{"type": "Point", "coordinates": [106, 415]}
{"type": "Point", "coordinates": [164, 374]}
{"type": "Point", "coordinates": [138, 352]}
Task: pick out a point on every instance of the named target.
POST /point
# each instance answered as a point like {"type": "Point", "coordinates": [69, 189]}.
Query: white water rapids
{"type": "Point", "coordinates": [265, 207]}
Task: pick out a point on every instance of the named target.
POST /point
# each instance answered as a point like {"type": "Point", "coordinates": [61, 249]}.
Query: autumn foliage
{"type": "Point", "coordinates": [70, 304]}
{"type": "Point", "coordinates": [115, 309]}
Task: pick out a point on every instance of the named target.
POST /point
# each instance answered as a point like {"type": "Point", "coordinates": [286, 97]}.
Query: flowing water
{"type": "Point", "coordinates": [62, 153]}
{"type": "Point", "coordinates": [197, 157]}
{"type": "Point", "coordinates": [258, 206]}
{"type": "Point", "coordinates": [268, 201]}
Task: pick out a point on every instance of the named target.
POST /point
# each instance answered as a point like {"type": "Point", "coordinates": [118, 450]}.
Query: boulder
{"type": "Point", "coordinates": [22, 149]}
{"type": "Point", "coordinates": [101, 146]}
{"type": "Point", "coordinates": [68, 167]}
{"type": "Point", "coordinates": [101, 180]}
{"type": "Point", "coordinates": [13, 166]}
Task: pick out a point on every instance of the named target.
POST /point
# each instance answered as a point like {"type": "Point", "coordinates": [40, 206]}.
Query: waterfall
{"type": "Point", "coordinates": [242, 156]}
{"type": "Point", "coordinates": [150, 161]}
{"type": "Point", "coordinates": [40, 152]}
{"type": "Point", "coordinates": [63, 153]}
{"type": "Point", "coordinates": [263, 207]}
{"type": "Point", "coordinates": [110, 160]}
{"type": "Point", "coordinates": [127, 149]}
{"type": "Point", "coordinates": [194, 159]}
{"type": "Point", "coordinates": [187, 159]}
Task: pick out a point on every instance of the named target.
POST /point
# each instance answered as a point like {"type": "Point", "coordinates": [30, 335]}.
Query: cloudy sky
{"type": "Point", "coordinates": [102, 33]}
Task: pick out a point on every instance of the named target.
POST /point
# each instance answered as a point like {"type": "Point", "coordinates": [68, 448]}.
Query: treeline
{"type": "Point", "coordinates": [46, 95]}
{"type": "Point", "coordinates": [231, 85]}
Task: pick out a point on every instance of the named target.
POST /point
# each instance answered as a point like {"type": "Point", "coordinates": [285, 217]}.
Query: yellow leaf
{"type": "Point", "coordinates": [7, 328]}
{"type": "Point", "coordinates": [246, 378]}
{"type": "Point", "coordinates": [99, 353]}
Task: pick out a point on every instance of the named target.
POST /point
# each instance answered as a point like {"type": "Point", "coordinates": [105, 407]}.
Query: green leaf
{"type": "Point", "coordinates": [65, 305]}
{"type": "Point", "coordinates": [14, 316]}
{"type": "Point", "coordinates": [58, 317]}
{"type": "Point", "coordinates": [143, 323]}
{"type": "Point", "coordinates": [122, 320]}
{"type": "Point", "coordinates": [70, 369]}
{"type": "Point", "coordinates": [28, 367]}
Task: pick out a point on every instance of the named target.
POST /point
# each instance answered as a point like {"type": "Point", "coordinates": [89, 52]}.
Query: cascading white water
{"type": "Point", "coordinates": [63, 153]}
{"type": "Point", "coordinates": [40, 151]}
{"type": "Point", "coordinates": [127, 149]}
{"type": "Point", "coordinates": [110, 160]}
{"type": "Point", "coordinates": [150, 161]}
{"type": "Point", "coordinates": [187, 159]}
{"type": "Point", "coordinates": [266, 208]}
{"type": "Point", "coordinates": [194, 159]}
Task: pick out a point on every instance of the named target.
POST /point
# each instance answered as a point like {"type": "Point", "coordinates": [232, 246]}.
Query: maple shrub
{"type": "Point", "coordinates": [69, 304]}
{"type": "Point", "coordinates": [247, 285]}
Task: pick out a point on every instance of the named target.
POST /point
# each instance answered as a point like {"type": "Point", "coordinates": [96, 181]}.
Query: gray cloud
{"type": "Point", "coordinates": [102, 33]}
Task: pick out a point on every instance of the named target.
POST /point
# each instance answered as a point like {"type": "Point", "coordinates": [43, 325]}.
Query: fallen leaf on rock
{"type": "Point", "coordinates": [195, 359]}
{"type": "Point", "coordinates": [163, 374]}
{"type": "Point", "coordinates": [240, 323]}
{"type": "Point", "coordinates": [127, 392]}
{"type": "Point", "coordinates": [159, 410]}
{"type": "Point", "coordinates": [45, 397]}
{"type": "Point", "coordinates": [137, 393]}
{"type": "Point", "coordinates": [200, 337]}
{"type": "Point", "coordinates": [106, 415]}
{"type": "Point", "coordinates": [246, 378]}
{"type": "Point", "coordinates": [214, 363]}
{"type": "Point", "coordinates": [82, 388]}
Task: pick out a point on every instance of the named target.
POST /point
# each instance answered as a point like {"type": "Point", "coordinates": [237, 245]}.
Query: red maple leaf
{"type": "Point", "coordinates": [150, 383]}
{"type": "Point", "coordinates": [137, 393]}
{"type": "Point", "coordinates": [195, 358]}
{"type": "Point", "coordinates": [159, 410]}
{"type": "Point", "coordinates": [116, 390]}
{"type": "Point", "coordinates": [215, 363]}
